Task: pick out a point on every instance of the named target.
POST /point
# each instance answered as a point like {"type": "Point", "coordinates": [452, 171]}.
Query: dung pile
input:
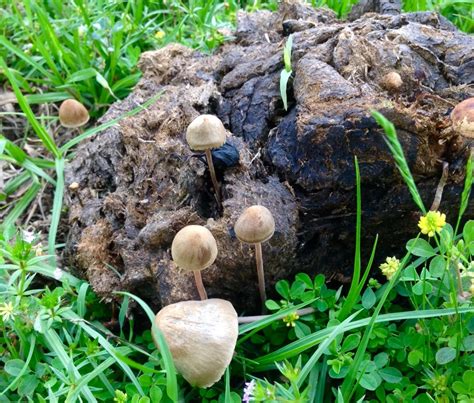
{"type": "Point", "coordinates": [140, 183]}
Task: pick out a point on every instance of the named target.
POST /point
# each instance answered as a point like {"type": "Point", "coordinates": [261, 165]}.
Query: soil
{"type": "Point", "coordinates": [140, 183]}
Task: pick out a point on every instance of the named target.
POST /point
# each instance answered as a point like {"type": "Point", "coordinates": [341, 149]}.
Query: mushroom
{"type": "Point", "coordinates": [201, 336]}
{"type": "Point", "coordinates": [203, 134]}
{"type": "Point", "coordinates": [254, 226]}
{"type": "Point", "coordinates": [462, 117]}
{"type": "Point", "coordinates": [73, 114]}
{"type": "Point", "coordinates": [194, 249]}
{"type": "Point", "coordinates": [392, 82]}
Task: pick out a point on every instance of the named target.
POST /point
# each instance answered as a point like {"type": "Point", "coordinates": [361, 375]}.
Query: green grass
{"type": "Point", "coordinates": [89, 49]}
{"type": "Point", "coordinates": [56, 343]}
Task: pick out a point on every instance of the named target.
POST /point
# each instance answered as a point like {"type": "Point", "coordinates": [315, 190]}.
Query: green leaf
{"type": "Point", "coordinates": [287, 53]}
{"type": "Point", "coordinates": [297, 289]}
{"type": "Point", "coordinates": [468, 343]}
{"type": "Point", "coordinates": [368, 298]}
{"type": "Point", "coordinates": [409, 274]}
{"type": "Point", "coordinates": [305, 278]}
{"type": "Point", "coordinates": [350, 342]}
{"type": "Point", "coordinates": [468, 379]}
{"type": "Point", "coordinates": [391, 375]}
{"type": "Point", "coordinates": [283, 288]}
{"type": "Point", "coordinates": [445, 355]}
{"type": "Point", "coordinates": [27, 385]}
{"type": "Point", "coordinates": [370, 381]}
{"type": "Point", "coordinates": [460, 388]}
{"type": "Point", "coordinates": [420, 247]}
{"type": "Point", "coordinates": [13, 367]}
{"type": "Point", "coordinates": [284, 77]}
{"type": "Point", "coordinates": [271, 305]}
{"type": "Point", "coordinates": [437, 266]}
{"type": "Point", "coordinates": [156, 394]}
{"type": "Point", "coordinates": [414, 357]}
{"type": "Point", "coordinates": [301, 329]}
{"type": "Point", "coordinates": [422, 288]}
{"type": "Point", "coordinates": [380, 360]}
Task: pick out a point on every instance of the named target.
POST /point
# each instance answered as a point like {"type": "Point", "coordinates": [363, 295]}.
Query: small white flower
{"type": "Point", "coordinates": [82, 30]}
{"type": "Point", "coordinates": [58, 273]}
{"type": "Point", "coordinates": [28, 237]}
{"type": "Point", "coordinates": [6, 311]}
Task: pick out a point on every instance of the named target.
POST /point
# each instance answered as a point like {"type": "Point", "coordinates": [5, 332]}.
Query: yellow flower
{"type": "Point", "coordinates": [471, 288]}
{"type": "Point", "coordinates": [160, 34]}
{"type": "Point", "coordinates": [291, 319]}
{"type": "Point", "coordinates": [433, 222]}
{"type": "Point", "coordinates": [390, 267]}
{"type": "Point", "coordinates": [6, 311]}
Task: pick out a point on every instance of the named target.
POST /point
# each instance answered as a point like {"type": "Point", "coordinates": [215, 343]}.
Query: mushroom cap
{"type": "Point", "coordinates": [73, 114]}
{"type": "Point", "coordinates": [392, 81]}
{"type": "Point", "coordinates": [201, 336]}
{"type": "Point", "coordinates": [255, 224]}
{"type": "Point", "coordinates": [205, 132]}
{"type": "Point", "coordinates": [462, 117]}
{"type": "Point", "coordinates": [194, 248]}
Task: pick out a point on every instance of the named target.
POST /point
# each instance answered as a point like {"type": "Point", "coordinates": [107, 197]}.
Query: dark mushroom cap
{"type": "Point", "coordinates": [255, 225]}
{"type": "Point", "coordinates": [205, 132]}
{"type": "Point", "coordinates": [73, 114]}
{"type": "Point", "coordinates": [462, 117]}
{"type": "Point", "coordinates": [194, 248]}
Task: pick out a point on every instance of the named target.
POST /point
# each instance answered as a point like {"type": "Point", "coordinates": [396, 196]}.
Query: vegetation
{"type": "Point", "coordinates": [409, 338]}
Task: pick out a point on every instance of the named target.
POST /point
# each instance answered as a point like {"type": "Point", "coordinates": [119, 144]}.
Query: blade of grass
{"type": "Point", "coordinates": [397, 152]}
{"type": "Point", "coordinates": [171, 382]}
{"type": "Point", "coordinates": [25, 107]}
{"type": "Point", "coordinates": [74, 318]}
{"type": "Point", "coordinates": [56, 345]}
{"type": "Point", "coordinates": [303, 344]}
{"type": "Point", "coordinates": [22, 204]}
{"type": "Point", "coordinates": [57, 207]}
{"type": "Point", "coordinates": [353, 295]}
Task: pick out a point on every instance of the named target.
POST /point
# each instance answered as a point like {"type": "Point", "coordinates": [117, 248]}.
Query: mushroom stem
{"type": "Point", "coordinates": [200, 286]}
{"type": "Point", "coordinates": [213, 177]}
{"type": "Point", "coordinates": [260, 273]}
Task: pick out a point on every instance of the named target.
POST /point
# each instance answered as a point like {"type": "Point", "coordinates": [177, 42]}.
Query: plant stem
{"type": "Point", "coordinates": [439, 189]}
{"type": "Point", "coordinates": [213, 177]}
{"type": "Point", "coordinates": [251, 319]}
{"type": "Point", "coordinates": [260, 273]}
{"type": "Point", "coordinates": [200, 286]}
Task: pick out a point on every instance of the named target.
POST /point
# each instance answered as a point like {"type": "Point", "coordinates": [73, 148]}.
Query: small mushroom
{"type": "Point", "coordinates": [201, 336]}
{"type": "Point", "coordinates": [392, 82]}
{"type": "Point", "coordinates": [254, 226]}
{"type": "Point", "coordinates": [203, 134]}
{"type": "Point", "coordinates": [73, 114]}
{"type": "Point", "coordinates": [194, 249]}
{"type": "Point", "coordinates": [462, 117]}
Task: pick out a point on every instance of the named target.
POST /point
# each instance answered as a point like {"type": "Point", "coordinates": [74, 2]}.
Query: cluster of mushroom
{"type": "Point", "coordinates": [201, 335]}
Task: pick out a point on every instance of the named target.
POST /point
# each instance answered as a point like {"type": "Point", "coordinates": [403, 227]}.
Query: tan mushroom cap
{"type": "Point", "coordinates": [256, 224]}
{"type": "Point", "coordinates": [201, 336]}
{"type": "Point", "coordinates": [205, 132]}
{"type": "Point", "coordinates": [392, 81]}
{"type": "Point", "coordinates": [462, 117]}
{"type": "Point", "coordinates": [194, 248]}
{"type": "Point", "coordinates": [73, 114]}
